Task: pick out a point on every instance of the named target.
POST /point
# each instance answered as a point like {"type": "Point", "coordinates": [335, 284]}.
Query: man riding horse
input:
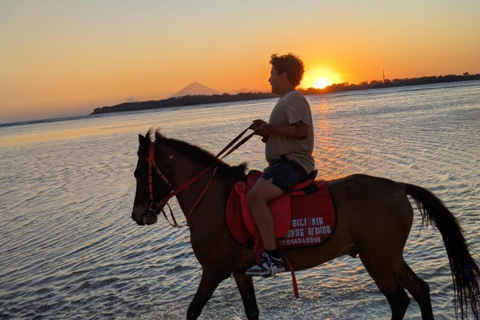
{"type": "Point", "coordinates": [288, 137]}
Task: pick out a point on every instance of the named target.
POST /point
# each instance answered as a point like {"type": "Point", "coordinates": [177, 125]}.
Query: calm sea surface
{"type": "Point", "coordinates": [69, 249]}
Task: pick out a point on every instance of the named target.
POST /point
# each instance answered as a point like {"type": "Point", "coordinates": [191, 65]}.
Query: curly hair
{"type": "Point", "coordinates": [291, 65]}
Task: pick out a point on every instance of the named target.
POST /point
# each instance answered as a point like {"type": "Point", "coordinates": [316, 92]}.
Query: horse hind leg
{"type": "Point", "coordinates": [419, 289]}
{"type": "Point", "coordinates": [386, 280]}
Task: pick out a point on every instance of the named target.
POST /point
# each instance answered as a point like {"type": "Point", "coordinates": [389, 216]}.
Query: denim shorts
{"type": "Point", "coordinates": [285, 174]}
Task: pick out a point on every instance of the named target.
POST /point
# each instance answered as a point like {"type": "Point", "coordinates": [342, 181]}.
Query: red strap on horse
{"type": "Point", "coordinates": [233, 141]}
{"type": "Point", "coordinates": [150, 173]}
{"type": "Point", "coordinates": [201, 195]}
{"type": "Point", "coordinates": [292, 272]}
{"type": "Point", "coordinates": [151, 160]}
{"type": "Point", "coordinates": [192, 180]}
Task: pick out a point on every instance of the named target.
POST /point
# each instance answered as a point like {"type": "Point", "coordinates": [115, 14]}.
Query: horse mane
{"type": "Point", "coordinates": [197, 154]}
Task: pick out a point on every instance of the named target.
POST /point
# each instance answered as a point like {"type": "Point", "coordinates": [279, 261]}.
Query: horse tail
{"type": "Point", "coordinates": [465, 270]}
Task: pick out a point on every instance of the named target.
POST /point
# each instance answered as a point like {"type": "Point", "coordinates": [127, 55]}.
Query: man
{"type": "Point", "coordinates": [288, 137]}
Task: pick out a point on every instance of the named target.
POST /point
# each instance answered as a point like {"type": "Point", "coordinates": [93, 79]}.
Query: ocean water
{"type": "Point", "coordinates": [69, 249]}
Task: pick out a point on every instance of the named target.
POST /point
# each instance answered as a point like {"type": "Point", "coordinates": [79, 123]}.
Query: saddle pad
{"type": "Point", "coordinates": [301, 220]}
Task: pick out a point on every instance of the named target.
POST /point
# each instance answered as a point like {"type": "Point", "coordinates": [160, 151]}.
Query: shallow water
{"type": "Point", "coordinates": [69, 249]}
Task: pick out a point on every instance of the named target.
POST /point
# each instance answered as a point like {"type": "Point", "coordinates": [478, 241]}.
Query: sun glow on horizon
{"type": "Point", "coordinates": [321, 83]}
{"type": "Point", "coordinates": [320, 78]}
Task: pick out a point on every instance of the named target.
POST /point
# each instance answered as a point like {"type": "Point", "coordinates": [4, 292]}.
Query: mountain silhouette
{"type": "Point", "coordinates": [195, 89]}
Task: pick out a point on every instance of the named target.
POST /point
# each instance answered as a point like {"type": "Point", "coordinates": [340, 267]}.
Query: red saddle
{"type": "Point", "coordinates": [303, 218]}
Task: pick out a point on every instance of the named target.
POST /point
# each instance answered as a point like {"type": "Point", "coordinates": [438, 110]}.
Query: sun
{"type": "Point", "coordinates": [321, 83]}
{"type": "Point", "coordinates": [320, 77]}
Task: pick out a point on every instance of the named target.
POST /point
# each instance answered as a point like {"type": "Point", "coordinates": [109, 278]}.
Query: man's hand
{"type": "Point", "coordinates": [261, 128]}
{"type": "Point", "coordinates": [256, 123]}
{"type": "Point", "coordinates": [297, 130]}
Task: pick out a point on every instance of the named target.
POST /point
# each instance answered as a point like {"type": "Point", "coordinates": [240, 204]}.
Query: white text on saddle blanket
{"type": "Point", "coordinates": [305, 231]}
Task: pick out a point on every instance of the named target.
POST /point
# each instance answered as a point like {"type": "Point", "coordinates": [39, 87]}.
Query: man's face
{"type": "Point", "coordinates": [276, 80]}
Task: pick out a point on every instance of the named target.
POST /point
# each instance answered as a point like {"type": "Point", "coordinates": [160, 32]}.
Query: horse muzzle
{"type": "Point", "coordinates": [145, 217]}
{"type": "Point", "coordinates": [150, 217]}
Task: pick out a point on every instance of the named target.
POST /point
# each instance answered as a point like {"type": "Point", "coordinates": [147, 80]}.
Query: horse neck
{"type": "Point", "coordinates": [182, 169]}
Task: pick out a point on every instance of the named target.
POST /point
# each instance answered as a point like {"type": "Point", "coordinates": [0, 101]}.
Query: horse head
{"type": "Point", "coordinates": [152, 185]}
{"type": "Point", "coordinates": [169, 167]}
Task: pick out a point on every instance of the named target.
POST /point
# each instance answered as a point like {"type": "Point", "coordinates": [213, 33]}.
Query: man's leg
{"type": "Point", "coordinates": [261, 194]}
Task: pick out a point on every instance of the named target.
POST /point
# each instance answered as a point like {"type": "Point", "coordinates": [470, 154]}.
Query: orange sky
{"type": "Point", "coordinates": [61, 58]}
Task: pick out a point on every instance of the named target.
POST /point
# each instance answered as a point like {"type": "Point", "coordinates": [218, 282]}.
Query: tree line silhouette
{"type": "Point", "coordinates": [184, 101]}
{"type": "Point", "coordinates": [191, 100]}
{"type": "Point", "coordinates": [387, 83]}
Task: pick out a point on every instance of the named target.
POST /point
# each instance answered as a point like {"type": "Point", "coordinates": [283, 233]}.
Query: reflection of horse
{"type": "Point", "coordinates": [374, 217]}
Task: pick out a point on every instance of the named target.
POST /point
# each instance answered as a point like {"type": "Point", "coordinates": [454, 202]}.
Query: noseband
{"type": "Point", "coordinates": [154, 206]}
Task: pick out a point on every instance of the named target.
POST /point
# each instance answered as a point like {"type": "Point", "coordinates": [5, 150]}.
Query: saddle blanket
{"type": "Point", "coordinates": [303, 218]}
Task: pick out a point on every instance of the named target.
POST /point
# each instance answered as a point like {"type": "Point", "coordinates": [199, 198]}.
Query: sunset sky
{"type": "Point", "coordinates": [60, 58]}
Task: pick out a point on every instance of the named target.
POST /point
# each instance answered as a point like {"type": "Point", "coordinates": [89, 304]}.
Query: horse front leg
{"type": "Point", "coordinates": [245, 286]}
{"type": "Point", "coordinates": [210, 281]}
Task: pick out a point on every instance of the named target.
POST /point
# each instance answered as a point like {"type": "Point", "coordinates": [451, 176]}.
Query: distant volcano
{"type": "Point", "coordinates": [195, 89]}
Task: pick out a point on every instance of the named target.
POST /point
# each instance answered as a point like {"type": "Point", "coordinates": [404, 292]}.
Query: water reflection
{"type": "Point", "coordinates": [330, 151]}
{"type": "Point", "coordinates": [69, 247]}
{"type": "Point", "coordinates": [12, 137]}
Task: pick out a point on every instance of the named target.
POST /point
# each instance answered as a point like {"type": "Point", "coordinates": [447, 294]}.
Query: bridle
{"type": "Point", "coordinates": [154, 206]}
{"type": "Point", "coordinates": [154, 171]}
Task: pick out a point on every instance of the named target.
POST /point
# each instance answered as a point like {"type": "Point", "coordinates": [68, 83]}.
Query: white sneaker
{"type": "Point", "coordinates": [267, 266]}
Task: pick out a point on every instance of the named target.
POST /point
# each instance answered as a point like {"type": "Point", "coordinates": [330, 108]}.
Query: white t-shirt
{"type": "Point", "coordinates": [291, 108]}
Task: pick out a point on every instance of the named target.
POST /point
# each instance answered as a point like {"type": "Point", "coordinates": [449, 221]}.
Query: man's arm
{"type": "Point", "coordinates": [297, 130]}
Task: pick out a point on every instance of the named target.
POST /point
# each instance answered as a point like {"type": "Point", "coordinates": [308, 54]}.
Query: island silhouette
{"type": "Point", "coordinates": [196, 93]}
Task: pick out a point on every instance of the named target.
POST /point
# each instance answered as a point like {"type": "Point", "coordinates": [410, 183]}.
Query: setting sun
{"type": "Point", "coordinates": [319, 77]}
{"type": "Point", "coordinates": [321, 83]}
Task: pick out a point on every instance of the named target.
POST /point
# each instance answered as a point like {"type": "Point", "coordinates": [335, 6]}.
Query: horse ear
{"type": "Point", "coordinates": [142, 140]}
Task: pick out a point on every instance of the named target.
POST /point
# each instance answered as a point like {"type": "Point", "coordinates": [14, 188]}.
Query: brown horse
{"type": "Point", "coordinates": [374, 217]}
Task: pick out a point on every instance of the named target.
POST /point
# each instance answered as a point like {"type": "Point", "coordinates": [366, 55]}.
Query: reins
{"type": "Point", "coordinates": [153, 207]}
